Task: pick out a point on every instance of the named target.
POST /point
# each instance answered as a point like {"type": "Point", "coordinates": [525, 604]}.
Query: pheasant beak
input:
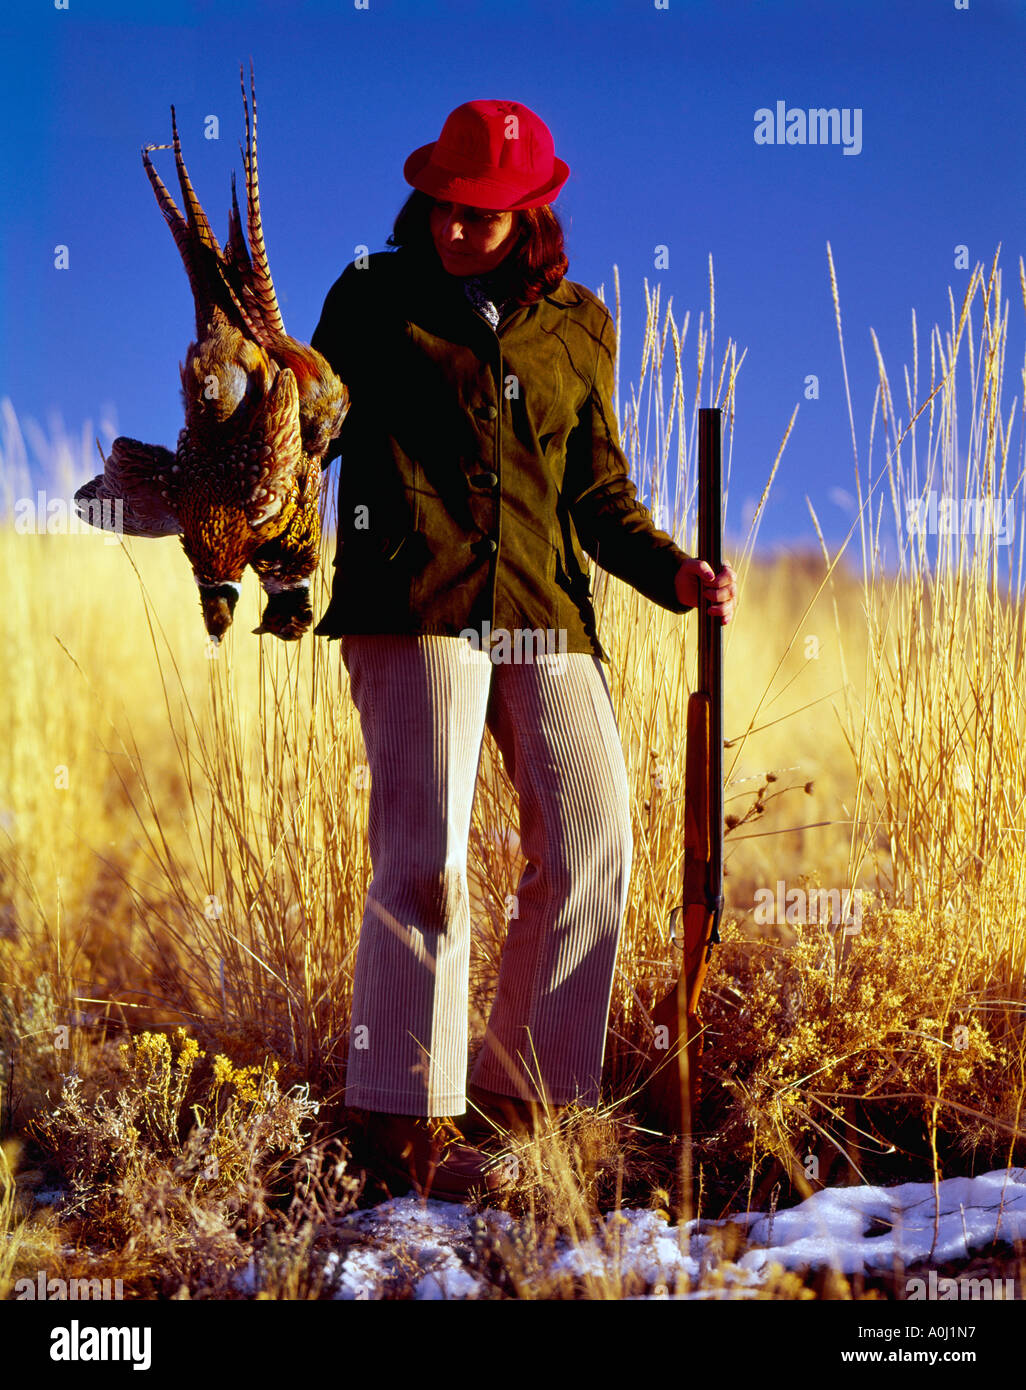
{"type": "Point", "coordinates": [218, 603]}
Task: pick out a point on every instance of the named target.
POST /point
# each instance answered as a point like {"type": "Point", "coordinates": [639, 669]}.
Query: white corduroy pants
{"type": "Point", "coordinates": [424, 703]}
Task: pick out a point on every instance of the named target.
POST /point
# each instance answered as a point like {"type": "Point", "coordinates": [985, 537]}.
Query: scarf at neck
{"type": "Point", "coordinates": [488, 294]}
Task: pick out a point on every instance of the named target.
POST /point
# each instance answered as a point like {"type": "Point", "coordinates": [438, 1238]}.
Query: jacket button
{"type": "Point", "coordinates": [487, 412]}
{"type": "Point", "coordinates": [485, 479]}
{"type": "Point", "coordinates": [485, 547]}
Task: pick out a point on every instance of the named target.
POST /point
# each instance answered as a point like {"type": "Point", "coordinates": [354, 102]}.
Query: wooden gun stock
{"type": "Point", "coordinates": [673, 1089]}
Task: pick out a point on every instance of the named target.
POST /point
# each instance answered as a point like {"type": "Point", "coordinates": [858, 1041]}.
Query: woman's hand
{"type": "Point", "coordinates": [696, 577]}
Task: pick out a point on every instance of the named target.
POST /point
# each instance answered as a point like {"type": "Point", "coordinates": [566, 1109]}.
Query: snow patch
{"type": "Point", "coordinates": [409, 1241]}
{"type": "Point", "coordinates": [406, 1242]}
{"type": "Point", "coordinates": [835, 1227]}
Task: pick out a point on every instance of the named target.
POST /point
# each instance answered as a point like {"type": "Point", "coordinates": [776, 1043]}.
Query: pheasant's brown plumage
{"type": "Point", "coordinates": [261, 409]}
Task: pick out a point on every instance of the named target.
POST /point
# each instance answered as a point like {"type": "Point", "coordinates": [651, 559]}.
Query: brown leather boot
{"type": "Point", "coordinates": [489, 1112]}
{"type": "Point", "coordinates": [432, 1156]}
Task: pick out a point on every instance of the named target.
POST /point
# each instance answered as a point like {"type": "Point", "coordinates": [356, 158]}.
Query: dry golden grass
{"type": "Point", "coordinates": [183, 843]}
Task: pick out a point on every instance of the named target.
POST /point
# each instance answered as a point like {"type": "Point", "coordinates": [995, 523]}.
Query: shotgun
{"type": "Point", "coordinates": [673, 1087]}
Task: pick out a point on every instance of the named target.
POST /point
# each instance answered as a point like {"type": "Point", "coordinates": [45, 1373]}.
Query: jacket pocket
{"type": "Point", "coordinates": [391, 548]}
{"type": "Point", "coordinates": [573, 563]}
{"type": "Point", "coordinates": [407, 550]}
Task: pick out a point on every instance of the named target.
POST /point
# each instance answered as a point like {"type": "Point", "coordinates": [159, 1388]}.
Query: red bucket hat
{"type": "Point", "coordinates": [490, 154]}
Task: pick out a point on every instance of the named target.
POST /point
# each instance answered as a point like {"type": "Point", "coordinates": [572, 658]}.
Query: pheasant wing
{"type": "Point", "coordinates": [133, 493]}
{"type": "Point", "coordinates": [276, 448]}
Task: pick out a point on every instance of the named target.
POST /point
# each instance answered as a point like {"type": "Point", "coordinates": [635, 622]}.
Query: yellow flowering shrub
{"type": "Point", "coordinates": [802, 1031]}
{"type": "Point", "coordinates": [181, 1147]}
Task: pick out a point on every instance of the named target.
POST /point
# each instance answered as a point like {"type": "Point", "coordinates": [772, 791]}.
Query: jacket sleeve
{"type": "Point", "coordinates": [338, 336]}
{"type": "Point", "coordinates": [615, 528]}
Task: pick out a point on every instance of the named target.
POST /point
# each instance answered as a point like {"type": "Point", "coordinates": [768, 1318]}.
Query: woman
{"type": "Point", "coordinates": [480, 461]}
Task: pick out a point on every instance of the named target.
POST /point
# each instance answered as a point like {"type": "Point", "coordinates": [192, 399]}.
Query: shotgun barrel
{"type": "Point", "coordinates": [710, 645]}
{"type": "Point", "coordinates": [672, 1089]}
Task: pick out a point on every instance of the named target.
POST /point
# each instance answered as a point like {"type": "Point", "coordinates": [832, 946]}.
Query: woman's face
{"type": "Point", "coordinates": [471, 241]}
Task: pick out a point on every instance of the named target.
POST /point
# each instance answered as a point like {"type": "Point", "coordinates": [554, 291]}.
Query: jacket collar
{"type": "Point", "coordinates": [429, 273]}
{"type": "Point", "coordinates": [565, 295]}
{"type": "Point", "coordinates": [436, 302]}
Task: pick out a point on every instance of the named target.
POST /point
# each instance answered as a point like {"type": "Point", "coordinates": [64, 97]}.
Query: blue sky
{"type": "Point", "coordinates": [652, 108]}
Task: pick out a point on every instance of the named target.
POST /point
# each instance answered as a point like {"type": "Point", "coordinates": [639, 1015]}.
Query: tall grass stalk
{"type": "Point", "coordinates": [943, 762]}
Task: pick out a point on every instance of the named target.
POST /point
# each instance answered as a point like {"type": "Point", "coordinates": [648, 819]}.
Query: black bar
{"type": "Point", "coordinates": [710, 639]}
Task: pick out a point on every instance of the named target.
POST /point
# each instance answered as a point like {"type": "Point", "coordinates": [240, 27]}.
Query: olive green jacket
{"type": "Point", "coordinates": [478, 464]}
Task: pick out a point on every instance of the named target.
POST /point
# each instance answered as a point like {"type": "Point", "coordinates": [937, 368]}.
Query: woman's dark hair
{"type": "Point", "coordinates": [534, 265]}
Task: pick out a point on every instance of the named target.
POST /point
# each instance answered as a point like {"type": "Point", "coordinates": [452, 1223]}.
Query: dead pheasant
{"type": "Point", "coordinates": [261, 409]}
